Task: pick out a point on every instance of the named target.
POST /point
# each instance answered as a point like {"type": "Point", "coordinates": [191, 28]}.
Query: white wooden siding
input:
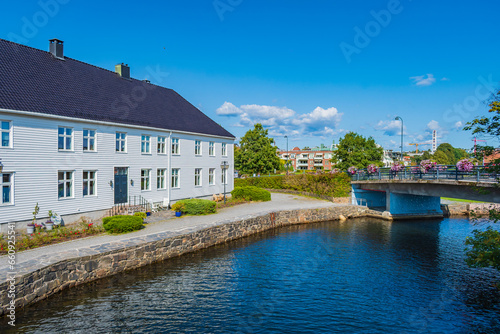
{"type": "Point", "coordinates": [35, 160]}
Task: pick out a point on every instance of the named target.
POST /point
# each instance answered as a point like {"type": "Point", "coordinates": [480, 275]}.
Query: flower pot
{"type": "Point", "coordinates": [30, 229]}
{"type": "Point", "coordinates": [178, 213]}
{"type": "Point", "coordinates": [49, 226]}
{"type": "Point", "coordinates": [148, 214]}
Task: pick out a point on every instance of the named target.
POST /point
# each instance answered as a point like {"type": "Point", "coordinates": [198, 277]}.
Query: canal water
{"type": "Point", "coordinates": [353, 277]}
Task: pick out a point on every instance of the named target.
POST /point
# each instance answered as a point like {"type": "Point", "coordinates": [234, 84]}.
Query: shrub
{"type": "Point", "coordinates": [195, 206]}
{"type": "Point", "coordinates": [251, 193]}
{"type": "Point", "coordinates": [143, 215]}
{"type": "Point", "coordinates": [336, 185]}
{"type": "Point", "coordinates": [122, 224]}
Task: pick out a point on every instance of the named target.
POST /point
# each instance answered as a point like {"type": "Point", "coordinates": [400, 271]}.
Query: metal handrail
{"type": "Point", "coordinates": [440, 172]}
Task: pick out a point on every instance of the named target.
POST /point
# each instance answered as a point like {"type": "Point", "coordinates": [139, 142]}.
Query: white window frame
{"type": "Point", "coordinates": [211, 149]}
{"type": "Point", "coordinates": [161, 147]}
{"type": "Point", "coordinates": [211, 176]}
{"type": "Point", "coordinates": [145, 179]}
{"type": "Point", "coordinates": [66, 183]}
{"type": "Point", "coordinates": [65, 136]}
{"type": "Point", "coordinates": [176, 181]}
{"type": "Point", "coordinates": [88, 138]}
{"type": "Point", "coordinates": [120, 141]}
{"type": "Point", "coordinates": [198, 175]}
{"type": "Point", "coordinates": [9, 131]}
{"type": "Point", "coordinates": [161, 174]}
{"type": "Point", "coordinates": [145, 144]}
{"type": "Point", "coordinates": [89, 180]}
{"type": "Point", "coordinates": [176, 146]}
{"type": "Point", "coordinates": [9, 184]}
{"type": "Point", "coordinates": [224, 149]}
{"type": "Point", "coordinates": [197, 147]}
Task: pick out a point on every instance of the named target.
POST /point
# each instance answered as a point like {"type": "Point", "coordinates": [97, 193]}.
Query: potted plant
{"type": "Point", "coordinates": [30, 228]}
{"type": "Point", "coordinates": [178, 208]}
{"type": "Point", "coordinates": [49, 224]}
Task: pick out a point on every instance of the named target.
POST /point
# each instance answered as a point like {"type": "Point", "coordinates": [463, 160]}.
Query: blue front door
{"type": "Point", "coordinates": [121, 190]}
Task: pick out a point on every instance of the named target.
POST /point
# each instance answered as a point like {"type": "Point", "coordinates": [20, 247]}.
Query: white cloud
{"type": "Point", "coordinates": [390, 127]}
{"type": "Point", "coordinates": [422, 80]}
{"type": "Point", "coordinates": [284, 121]}
{"type": "Point", "coordinates": [459, 125]}
{"type": "Point", "coordinates": [228, 109]}
{"type": "Point", "coordinates": [433, 125]}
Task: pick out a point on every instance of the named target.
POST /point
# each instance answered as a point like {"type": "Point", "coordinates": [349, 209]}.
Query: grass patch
{"type": "Point", "coordinates": [461, 200]}
{"type": "Point", "coordinates": [43, 238]}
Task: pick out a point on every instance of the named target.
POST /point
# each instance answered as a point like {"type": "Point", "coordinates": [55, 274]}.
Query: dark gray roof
{"type": "Point", "coordinates": [33, 80]}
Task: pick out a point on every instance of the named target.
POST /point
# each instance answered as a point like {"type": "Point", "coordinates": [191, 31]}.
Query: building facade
{"type": "Point", "coordinates": [308, 159]}
{"type": "Point", "coordinates": [78, 139]}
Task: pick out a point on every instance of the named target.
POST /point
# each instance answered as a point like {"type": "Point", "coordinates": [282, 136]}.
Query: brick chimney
{"type": "Point", "coordinates": [123, 70]}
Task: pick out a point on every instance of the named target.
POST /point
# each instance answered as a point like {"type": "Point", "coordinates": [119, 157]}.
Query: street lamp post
{"type": "Point", "coordinates": [288, 155]}
{"type": "Point", "coordinates": [224, 166]}
{"type": "Point", "coordinates": [400, 119]}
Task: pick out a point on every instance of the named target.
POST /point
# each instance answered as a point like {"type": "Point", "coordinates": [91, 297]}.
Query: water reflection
{"type": "Point", "coordinates": [351, 277]}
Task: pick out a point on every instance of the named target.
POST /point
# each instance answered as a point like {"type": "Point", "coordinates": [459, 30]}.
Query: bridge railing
{"type": "Point", "coordinates": [441, 172]}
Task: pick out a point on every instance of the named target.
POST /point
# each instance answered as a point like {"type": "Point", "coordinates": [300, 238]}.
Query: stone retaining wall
{"type": "Point", "coordinates": [38, 285]}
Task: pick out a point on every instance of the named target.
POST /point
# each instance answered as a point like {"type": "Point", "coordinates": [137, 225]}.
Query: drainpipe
{"type": "Point", "coordinates": [169, 167]}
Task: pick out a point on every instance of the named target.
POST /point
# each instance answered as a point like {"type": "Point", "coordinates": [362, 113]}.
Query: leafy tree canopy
{"type": "Point", "coordinates": [356, 150]}
{"type": "Point", "coordinates": [257, 152]}
{"type": "Point", "coordinates": [484, 246]}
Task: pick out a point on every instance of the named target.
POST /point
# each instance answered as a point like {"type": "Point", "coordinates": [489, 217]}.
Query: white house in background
{"type": "Point", "coordinates": [78, 139]}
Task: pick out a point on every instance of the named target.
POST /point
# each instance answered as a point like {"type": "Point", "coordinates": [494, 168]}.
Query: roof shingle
{"type": "Point", "coordinates": [33, 80]}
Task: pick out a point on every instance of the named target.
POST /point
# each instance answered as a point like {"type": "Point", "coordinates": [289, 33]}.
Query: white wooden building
{"type": "Point", "coordinates": [78, 139]}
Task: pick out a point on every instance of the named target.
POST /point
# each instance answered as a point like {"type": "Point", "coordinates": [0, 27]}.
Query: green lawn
{"type": "Point", "coordinates": [461, 200]}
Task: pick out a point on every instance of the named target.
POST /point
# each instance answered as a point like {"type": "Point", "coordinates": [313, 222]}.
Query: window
{"type": "Point", "coordinates": [121, 142]}
{"type": "Point", "coordinates": [197, 147]}
{"type": "Point", "coordinates": [175, 178]}
{"type": "Point", "coordinates": [175, 145]}
{"type": "Point", "coordinates": [160, 179]}
{"type": "Point", "coordinates": [65, 142]}
{"type": "Point", "coordinates": [89, 183]}
{"type": "Point", "coordinates": [211, 151]}
{"type": "Point", "coordinates": [6, 133]}
{"type": "Point", "coordinates": [224, 150]}
{"type": "Point", "coordinates": [197, 177]}
{"type": "Point", "coordinates": [161, 145]}
{"type": "Point", "coordinates": [145, 144]}
{"type": "Point", "coordinates": [223, 178]}
{"type": "Point", "coordinates": [65, 184]}
{"type": "Point", "coordinates": [88, 140]}
{"type": "Point", "coordinates": [145, 179]}
{"type": "Point", "coordinates": [211, 176]}
{"type": "Point", "coordinates": [6, 188]}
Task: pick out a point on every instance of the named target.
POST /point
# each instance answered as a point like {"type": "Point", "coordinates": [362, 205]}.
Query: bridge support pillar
{"type": "Point", "coordinates": [413, 205]}
{"type": "Point", "coordinates": [370, 198]}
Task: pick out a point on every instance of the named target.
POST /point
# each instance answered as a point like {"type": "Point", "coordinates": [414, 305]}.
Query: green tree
{"type": "Point", "coordinates": [257, 152]}
{"type": "Point", "coordinates": [484, 246]}
{"type": "Point", "coordinates": [441, 158]}
{"type": "Point", "coordinates": [356, 150]}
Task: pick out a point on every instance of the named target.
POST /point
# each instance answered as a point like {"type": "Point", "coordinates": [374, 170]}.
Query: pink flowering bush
{"type": "Point", "coordinates": [352, 170]}
{"type": "Point", "coordinates": [465, 165]}
{"type": "Point", "coordinates": [372, 169]}
{"type": "Point", "coordinates": [397, 167]}
{"type": "Point", "coordinates": [427, 165]}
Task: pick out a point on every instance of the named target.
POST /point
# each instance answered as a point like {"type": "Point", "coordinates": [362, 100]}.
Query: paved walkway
{"type": "Point", "coordinates": [30, 260]}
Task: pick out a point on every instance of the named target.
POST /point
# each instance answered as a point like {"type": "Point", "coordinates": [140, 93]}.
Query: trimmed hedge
{"type": "Point", "coordinates": [122, 224]}
{"type": "Point", "coordinates": [251, 193]}
{"type": "Point", "coordinates": [334, 185]}
{"type": "Point", "coordinates": [197, 206]}
{"type": "Point", "coordinates": [141, 214]}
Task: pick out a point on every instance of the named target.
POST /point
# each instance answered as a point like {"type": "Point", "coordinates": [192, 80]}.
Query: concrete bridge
{"type": "Point", "coordinates": [417, 194]}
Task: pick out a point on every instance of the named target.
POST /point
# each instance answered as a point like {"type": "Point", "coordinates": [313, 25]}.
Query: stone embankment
{"type": "Point", "coordinates": [110, 259]}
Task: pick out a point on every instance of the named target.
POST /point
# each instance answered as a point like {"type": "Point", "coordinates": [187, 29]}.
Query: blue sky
{"type": "Point", "coordinates": [312, 70]}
